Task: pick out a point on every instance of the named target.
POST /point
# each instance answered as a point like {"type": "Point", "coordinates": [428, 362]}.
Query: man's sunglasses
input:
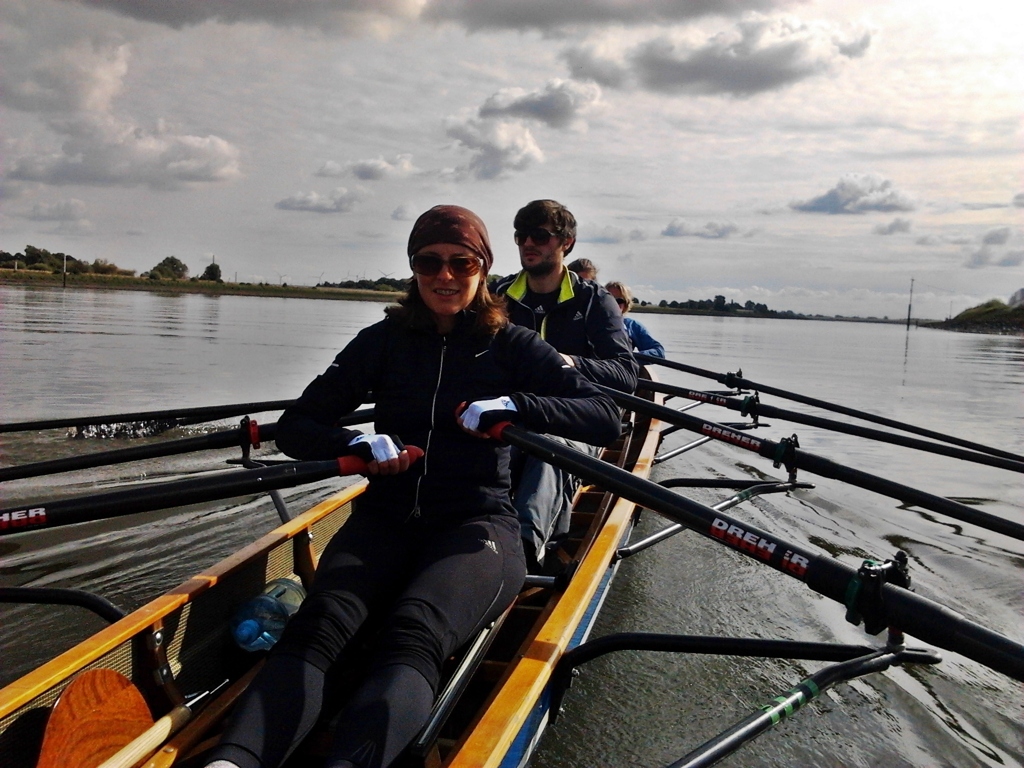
{"type": "Point", "coordinates": [621, 302]}
{"type": "Point", "coordinates": [429, 265]}
{"type": "Point", "coordinates": [538, 235]}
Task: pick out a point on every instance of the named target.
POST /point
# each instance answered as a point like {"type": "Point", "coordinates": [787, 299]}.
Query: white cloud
{"type": "Point", "coordinates": [103, 150]}
{"type": "Point", "coordinates": [373, 169]}
{"type": "Point", "coordinates": [338, 200]}
{"type": "Point", "coordinates": [497, 146]}
{"type": "Point", "coordinates": [1018, 200]}
{"type": "Point", "coordinates": [756, 56]}
{"type": "Point", "coordinates": [558, 105]}
{"type": "Point", "coordinates": [713, 230]}
{"type": "Point", "coordinates": [895, 226]}
{"type": "Point", "coordinates": [858, 193]}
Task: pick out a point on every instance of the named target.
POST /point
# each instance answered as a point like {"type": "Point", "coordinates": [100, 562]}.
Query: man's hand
{"type": "Point", "coordinates": [568, 359]}
{"type": "Point", "coordinates": [481, 415]}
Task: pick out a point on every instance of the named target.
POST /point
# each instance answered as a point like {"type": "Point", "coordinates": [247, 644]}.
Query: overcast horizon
{"type": "Point", "coordinates": [812, 156]}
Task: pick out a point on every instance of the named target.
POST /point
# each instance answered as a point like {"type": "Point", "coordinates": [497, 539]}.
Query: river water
{"type": "Point", "coordinates": [82, 352]}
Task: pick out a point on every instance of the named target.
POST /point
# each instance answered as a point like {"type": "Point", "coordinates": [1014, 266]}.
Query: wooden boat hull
{"type": "Point", "coordinates": [179, 643]}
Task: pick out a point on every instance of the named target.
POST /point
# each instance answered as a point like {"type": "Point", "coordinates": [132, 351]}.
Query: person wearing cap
{"type": "Point", "coordinates": [579, 319]}
{"type": "Point", "coordinates": [638, 334]}
{"type": "Point", "coordinates": [432, 547]}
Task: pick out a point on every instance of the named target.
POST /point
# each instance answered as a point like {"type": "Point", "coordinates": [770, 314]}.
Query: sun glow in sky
{"type": "Point", "coordinates": [813, 156]}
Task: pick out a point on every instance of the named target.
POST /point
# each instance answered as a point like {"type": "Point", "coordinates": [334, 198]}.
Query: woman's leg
{"type": "Point", "coordinates": [359, 569]}
{"type": "Point", "coordinates": [466, 577]}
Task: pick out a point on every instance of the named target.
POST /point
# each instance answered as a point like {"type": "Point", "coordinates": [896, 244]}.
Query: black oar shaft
{"type": "Point", "coordinates": [177, 493]}
{"type": "Point", "coordinates": [825, 467]}
{"type": "Point", "coordinates": [212, 441]}
{"type": "Point", "coordinates": [769, 411]}
{"type": "Point", "coordinates": [912, 613]}
{"type": "Point", "coordinates": [209, 412]}
{"type": "Point", "coordinates": [731, 380]}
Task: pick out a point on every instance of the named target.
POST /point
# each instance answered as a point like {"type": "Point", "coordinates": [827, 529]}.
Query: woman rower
{"type": "Point", "coordinates": [433, 546]}
{"type": "Point", "coordinates": [638, 334]}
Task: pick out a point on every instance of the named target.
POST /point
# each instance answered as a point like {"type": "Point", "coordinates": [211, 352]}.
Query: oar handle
{"type": "Point", "coordinates": [354, 465]}
{"type": "Point", "coordinates": [149, 740]}
{"type": "Point", "coordinates": [498, 429]}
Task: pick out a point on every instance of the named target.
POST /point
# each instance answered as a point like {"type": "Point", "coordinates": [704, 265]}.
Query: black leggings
{"type": "Point", "coordinates": [438, 588]}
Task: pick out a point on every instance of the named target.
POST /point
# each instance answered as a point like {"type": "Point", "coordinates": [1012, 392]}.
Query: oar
{"type": "Point", "coordinates": [195, 415]}
{"type": "Point", "coordinates": [96, 715]}
{"type": "Point", "coordinates": [177, 493]}
{"type": "Point", "coordinates": [148, 741]}
{"type": "Point", "coordinates": [737, 382]}
{"type": "Point", "coordinates": [786, 453]}
{"type": "Point", "coordinates": [882, 604]}
{"type": "Point", "coordinates": [214, 440]}
{"type": "Point", "coordinates": [752, 406]}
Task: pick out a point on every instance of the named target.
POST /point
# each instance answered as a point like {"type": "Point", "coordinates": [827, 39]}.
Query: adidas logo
{"type": "Point", "coordinates": [491, 545]}
{"type": "Point", "coordinates": [579, 316]}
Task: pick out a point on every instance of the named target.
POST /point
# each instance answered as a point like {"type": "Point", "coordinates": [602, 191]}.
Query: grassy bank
{"type": "Point", "coordinates": [991, 317]}
{"type": "Point", "coordinates": [123, 283]}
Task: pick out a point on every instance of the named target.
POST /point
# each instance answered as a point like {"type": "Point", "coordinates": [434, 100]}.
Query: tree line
{"type": "Point", "coordinates": [41, 260]}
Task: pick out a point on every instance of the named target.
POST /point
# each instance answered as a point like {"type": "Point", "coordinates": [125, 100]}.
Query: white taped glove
{"type": "Point", "coordinates": [375, 447]}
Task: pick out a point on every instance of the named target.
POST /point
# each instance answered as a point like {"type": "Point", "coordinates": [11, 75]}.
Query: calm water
{"type": "Point", "coordinates": [69, 353]}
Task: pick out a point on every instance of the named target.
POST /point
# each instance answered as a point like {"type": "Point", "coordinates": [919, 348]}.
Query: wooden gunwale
{"type": "Point", "coordinates": [61, 668]}
{"type": "Point", "coordinates": [491, 737]}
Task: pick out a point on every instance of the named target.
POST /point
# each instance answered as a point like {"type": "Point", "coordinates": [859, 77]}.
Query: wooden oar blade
{"type": "Point", "coordinates": [97, 714]}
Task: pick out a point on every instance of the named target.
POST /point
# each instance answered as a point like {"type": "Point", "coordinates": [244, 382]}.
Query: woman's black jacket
{"type": "Point", "coordinates": [418, 380]}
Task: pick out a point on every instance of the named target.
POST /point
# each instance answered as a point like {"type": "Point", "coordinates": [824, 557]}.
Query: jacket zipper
{"type": "Point", "coordinates": [430, 434]}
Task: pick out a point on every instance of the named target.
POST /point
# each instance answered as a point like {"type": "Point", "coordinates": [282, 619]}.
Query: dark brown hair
{"type": "Point", "coordinates": [541, 212]}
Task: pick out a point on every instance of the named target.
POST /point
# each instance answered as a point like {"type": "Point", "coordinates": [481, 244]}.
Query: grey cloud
{"type": "Point", "coordinates": [713, 230]}
{"type": "Point", "coordinates": [1011, 259]}
{"type": "Point", "coordinates": [338, 200]}
{"type": "Point", "coordinates": [610, 235]}
{"type": "Point", "coordinates": [997, 236]}
{"type": "Point", "coordinates": [858, 193]}
{"type": "Point", "coordinates": [979, 258]}
{"type": "Point", "coordinates": [984, 206]}
{"type": "Point", "coordinates": [61, 210]}
{"type": "Point", "coordinates": [497, 146]}
{"type": "Point", "coordinates": [558, 104]}
{"type": "Point", "coordinates": [854, 49]}
{"type": "Point", "coordinates": [103, 150]}
{"type": "Point", "coordinates": [401, 213]}
{"type": "Point", "coordinates": [331, 169]}
{"type": "Point", "coordinates": [331, 15]}
{"type": "Point", "coordinates": [756, 56]}
{"type": "Point", "coordinates": [893, 227]}
{"type": "Point", "coordinates": [1018, 200]}
{"type": "Point", "coordinates": [547, 16]}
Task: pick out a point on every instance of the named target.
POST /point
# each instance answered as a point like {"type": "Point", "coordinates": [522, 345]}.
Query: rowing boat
{"type": "Point", "coordinates": [509, 683]}
{"type": "Point", "coordinates": [491, 711]}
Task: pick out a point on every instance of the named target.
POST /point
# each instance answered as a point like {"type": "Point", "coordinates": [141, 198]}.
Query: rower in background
{"type": "Point", "coordinates": [638, 334]}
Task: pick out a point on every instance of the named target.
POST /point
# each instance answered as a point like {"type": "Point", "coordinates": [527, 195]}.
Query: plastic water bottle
{"type": "Point", "coordinates": [259, 623]}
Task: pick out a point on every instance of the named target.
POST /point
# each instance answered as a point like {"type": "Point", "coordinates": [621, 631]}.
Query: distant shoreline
{"type": "Point", "coordinates": [128, 283]}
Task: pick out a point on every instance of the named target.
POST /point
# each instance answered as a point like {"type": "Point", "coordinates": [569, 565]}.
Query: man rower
{"type": "Point", "coordinates": [581, 320]}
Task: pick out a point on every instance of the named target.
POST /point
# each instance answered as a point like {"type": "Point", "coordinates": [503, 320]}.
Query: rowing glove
{"type": "Point", "coordinates": [481, 415]}
{"type": "Point", "coordinates": [376, 447]}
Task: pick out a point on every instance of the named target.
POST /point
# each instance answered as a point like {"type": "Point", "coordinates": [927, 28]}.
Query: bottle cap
{"type": "Point", "coordinates": [247, 631]}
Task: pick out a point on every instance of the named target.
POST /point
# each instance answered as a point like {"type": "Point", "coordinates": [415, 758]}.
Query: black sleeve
{"type": "Point", "coordinates": [613, 364]}
{"type": "Point", "coordinates": [306, 430]}
{"type": "Point", "coordinates": [552, 397]}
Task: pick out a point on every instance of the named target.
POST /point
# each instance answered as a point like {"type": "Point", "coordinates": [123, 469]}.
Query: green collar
{"type": "Point", "coordinates": [519, 287]}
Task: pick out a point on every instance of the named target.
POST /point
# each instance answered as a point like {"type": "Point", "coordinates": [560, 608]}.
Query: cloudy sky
{"type": "Point", "coordinates": [814, 156]}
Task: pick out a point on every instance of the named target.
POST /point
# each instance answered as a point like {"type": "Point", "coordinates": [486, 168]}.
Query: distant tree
{"type": "Point", "coordinates": [663, 303]}
{"type": "Point", "coordinates": [170, 268]}
{"type": "Point", "coordinates": [212, 272]}
{"type": "Point", "coordinates": [719, 305]}
{"type": "Point", "coordinates": [103, 267]}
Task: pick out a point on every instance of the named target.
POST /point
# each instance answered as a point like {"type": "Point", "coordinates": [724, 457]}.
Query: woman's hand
{"type": "Point", "coordinates": [481, 415]}
{"type": "Point", "coordinates": [383, 454]}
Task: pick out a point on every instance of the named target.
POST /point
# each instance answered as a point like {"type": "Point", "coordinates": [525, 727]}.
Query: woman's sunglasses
{"type": "Point", "coordinates": [621, 302]}
{"type": "Point", "coordinates": [538, 235]}
{"type": "Point", "coordinates": [429, 265]}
